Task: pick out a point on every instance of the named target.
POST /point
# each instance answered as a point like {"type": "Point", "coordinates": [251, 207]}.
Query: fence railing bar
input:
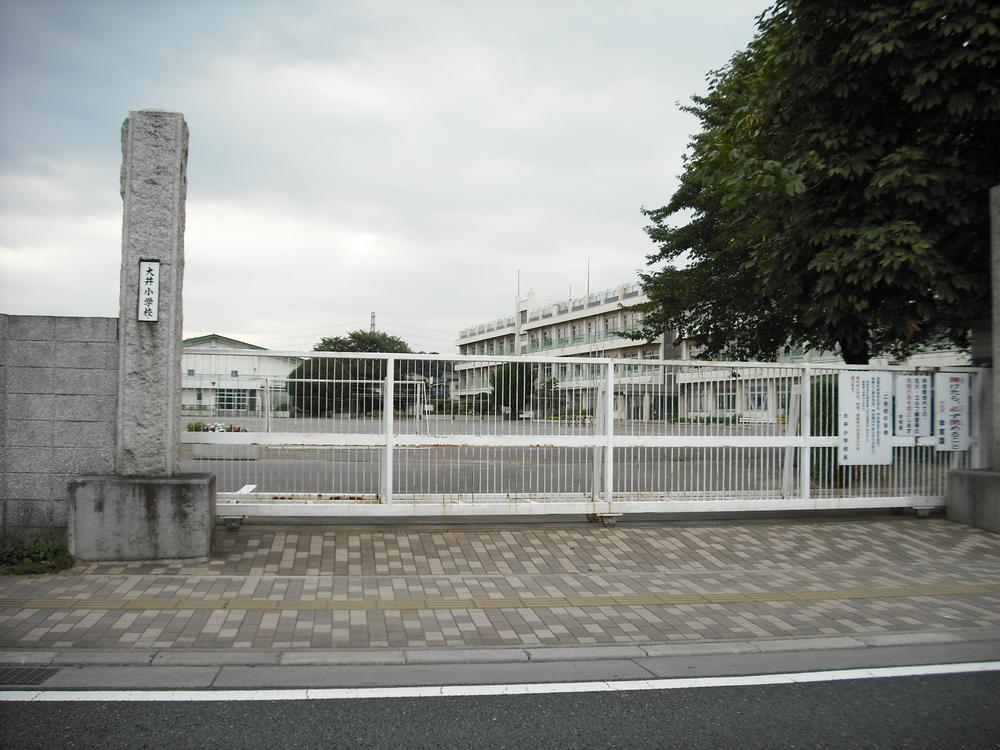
{"type": "Point", "coordinates": [805, 453]}
{"type": "Point", "coordinates": [389, 430]}
{"type": "Point", "coordinates": [609, 432]}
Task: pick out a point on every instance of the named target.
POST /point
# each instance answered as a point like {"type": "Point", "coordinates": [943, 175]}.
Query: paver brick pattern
{"type": "Point", "coordinates": [521, 585]}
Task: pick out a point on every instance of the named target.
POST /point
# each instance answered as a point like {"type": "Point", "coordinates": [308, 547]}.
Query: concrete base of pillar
{"type": "Point", "coordinates": [973, 498]}
{"type": "Point", "coordinates": [142, 518]}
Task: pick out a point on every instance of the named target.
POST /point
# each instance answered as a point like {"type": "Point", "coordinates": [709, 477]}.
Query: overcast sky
{"type": "Point", "coordinates": [345, 157]}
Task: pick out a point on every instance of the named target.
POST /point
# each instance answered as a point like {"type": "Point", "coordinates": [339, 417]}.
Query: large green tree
{"type": "Point", "coordinates": [352, 384]}
{"type": "Point", "coordinates": [513, 386]}
{"type": "Point", "coordinates": [836, 195]}
{"type": "Point", "coordinates": [362, 341]}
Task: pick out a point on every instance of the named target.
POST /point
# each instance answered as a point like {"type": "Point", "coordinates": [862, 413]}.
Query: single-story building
{"type": "Point", "coordinates": [216, 383]}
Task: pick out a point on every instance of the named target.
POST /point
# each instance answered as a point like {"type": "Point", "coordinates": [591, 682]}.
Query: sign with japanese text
{"type": "Point", "coordinates": [951, 402]}
{"type": "Point", "coordinates": [149, 290]}
{"type": "Point", "coordinates": [913, 406]}
{"type": "Point", "coordinates": [864, 418]}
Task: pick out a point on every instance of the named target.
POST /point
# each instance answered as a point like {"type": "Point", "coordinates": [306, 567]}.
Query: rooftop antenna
{"type": "Point", "coordinates": [373, 323]}
{"type": "Point", "coordinates": [519, 283]}
{"type": "Point", "coordinates": [588, 277]}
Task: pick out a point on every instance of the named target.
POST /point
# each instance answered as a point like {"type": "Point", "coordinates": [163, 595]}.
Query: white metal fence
{"type": "Point", "coordinates": [315, 433]}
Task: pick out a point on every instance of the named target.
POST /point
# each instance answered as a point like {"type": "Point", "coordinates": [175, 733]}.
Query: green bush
{"type": "Point", "coordinates": [824, 406]}
{"type": "Point", "coordinates": [706, 420]}
{"type": "Point", "coordinates": [40, 554]}
{"type": "Point", "coordinates": [446, 406]}
{"type": "Point", "coordinates": [218, 427]}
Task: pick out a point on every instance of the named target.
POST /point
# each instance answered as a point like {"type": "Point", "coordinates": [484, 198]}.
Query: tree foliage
{"type": "Point", "coordinates": [367, 341]}
{"type": "Point", "coordinates": [355, 385]}
{"type": "Point", "coordinates": [837, 193]}
{"type": "Point", "coordinates": [513, 385]}
{"type": "Point", "coordinates": [362, 341]}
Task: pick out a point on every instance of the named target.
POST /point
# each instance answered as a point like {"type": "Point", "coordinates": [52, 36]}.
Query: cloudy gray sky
{"type": "Point", "coordinates": [346, 157]}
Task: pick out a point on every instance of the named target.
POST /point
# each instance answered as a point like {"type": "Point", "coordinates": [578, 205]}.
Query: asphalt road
{"type": "Point", "coordinates": [949, 711]}
{"type": "Point", "coordinates": [495, 470]}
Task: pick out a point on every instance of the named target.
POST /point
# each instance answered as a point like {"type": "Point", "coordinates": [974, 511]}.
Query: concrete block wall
{"type": "Point", "coordinates": [58, 406]}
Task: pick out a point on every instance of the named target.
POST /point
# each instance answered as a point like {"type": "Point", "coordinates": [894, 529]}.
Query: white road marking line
{"type": "Point", "coordinates": [539, 688]}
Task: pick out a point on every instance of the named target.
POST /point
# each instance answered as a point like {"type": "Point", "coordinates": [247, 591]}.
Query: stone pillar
{"type": "Point", "coordinates": [148, 510]}
{"type": "Point", "coordinates": [153, 189]}
{"type": "Point", "coordinates": [973, 496]}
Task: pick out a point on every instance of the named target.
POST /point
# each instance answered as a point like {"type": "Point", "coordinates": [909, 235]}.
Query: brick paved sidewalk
{"type": "Point", "coordinates": [284, 587]}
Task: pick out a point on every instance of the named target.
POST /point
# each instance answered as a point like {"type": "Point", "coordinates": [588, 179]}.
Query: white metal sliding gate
{"type": "Point", "coordinates": [319, 434]}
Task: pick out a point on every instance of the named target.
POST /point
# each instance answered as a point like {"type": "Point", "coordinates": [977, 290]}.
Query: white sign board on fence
{"type": "Point", "coordinates": [951, 401]}
{"type": "Point", "coordinates": [865, 418]}
{"type": "Point", "coordinates": [913, 405]}
{"type": "Point", "coordinates": [149, 291]}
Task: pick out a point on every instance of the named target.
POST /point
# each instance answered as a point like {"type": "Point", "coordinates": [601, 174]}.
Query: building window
{"type": "Point", "coordinates": [696, 399]}
{"type": "Point", "coordinates": [197, 394]}
{"type": "Point", "coordinates": [190, 372]}
{"type": "Point", "coordinates": [231, 399]}
{"type": "Point", "coordinates": [783, 394]}
{"type": "Point", "coordinates": [756, 397]}
{"type": "Point", "coordinates": [234, 373]}
{"type": "Point", "coordinates": [725, 396]}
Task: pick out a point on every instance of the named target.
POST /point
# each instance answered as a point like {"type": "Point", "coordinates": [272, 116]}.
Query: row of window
{"type": "Point", "coordinates": [494, 346]}
{"type": "Point", "coordinates": [755, 397]}
{"type": "Point", "coordinates": [479, 377]}
{"type": "Point", "coordinates": [232, 373]}
{"type": "Point", "coordinates": [606, 325]}
{"type": "Point", "coordinates": [227, 399]}
{"type": "Point", "coordinates": [595, 329]}
{"type": "Point", "coordinates": [597, 298]}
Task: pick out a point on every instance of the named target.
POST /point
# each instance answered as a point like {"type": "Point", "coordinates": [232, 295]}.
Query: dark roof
{"type": "Point", "coordinates": [224, 339]}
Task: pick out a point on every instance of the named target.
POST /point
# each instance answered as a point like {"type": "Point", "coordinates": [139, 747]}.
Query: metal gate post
{"type": "Point", "coordinates": [805, 462]}
{"type": "Point", "coordinates": [792, 419]}
{"type": "Point", "coordinates": [389, 428]}
{"type": "Point", "coordinates": [267, 404]}
{"type": "Point", "coordinates": [597, 481]}
{"type": "Point", "coordinates": [609, 432]}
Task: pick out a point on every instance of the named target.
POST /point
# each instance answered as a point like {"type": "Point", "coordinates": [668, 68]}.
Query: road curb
{"type": "Point", "coordinates": [491, 655]}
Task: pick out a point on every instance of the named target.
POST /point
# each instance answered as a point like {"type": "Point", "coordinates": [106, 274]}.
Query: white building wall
{"type": "Point", "coordinates": [588, 326]}
{"type": "Point", "coordinates": [217, 384]}
{"type": "Point", "coordinates": [592, 326]}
